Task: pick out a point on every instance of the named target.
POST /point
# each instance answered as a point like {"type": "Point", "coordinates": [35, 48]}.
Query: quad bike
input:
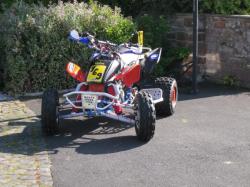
{"type": "Point", "coordinates": [118, 85]}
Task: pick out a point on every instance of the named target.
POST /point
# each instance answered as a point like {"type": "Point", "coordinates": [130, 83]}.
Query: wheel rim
{"type": "Point", "coordinates": [174, 96]}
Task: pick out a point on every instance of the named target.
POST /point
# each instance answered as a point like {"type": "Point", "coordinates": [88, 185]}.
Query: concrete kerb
{"type": "Point", "coordinates": [5, 97]}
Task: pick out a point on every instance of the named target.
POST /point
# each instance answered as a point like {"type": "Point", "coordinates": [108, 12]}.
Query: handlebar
{"type": "Point", "coordinates": [92, 42]}
{"type": "Point", "coordinates": [102, 46]}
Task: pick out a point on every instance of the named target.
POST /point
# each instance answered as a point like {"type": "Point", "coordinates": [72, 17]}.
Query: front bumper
{"type": "Point", "coordinates": [101, 104]}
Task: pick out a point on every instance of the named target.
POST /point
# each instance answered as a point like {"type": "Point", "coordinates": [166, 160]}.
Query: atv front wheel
{"type": "Point", "coordinates": [145, 116]}
{"type": "Point", "coordinates": [170, 96]}
{"type": "Point", "coordinates": [50, 103]}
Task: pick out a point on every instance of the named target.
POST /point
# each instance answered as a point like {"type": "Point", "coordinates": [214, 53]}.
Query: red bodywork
{"type": "Point", "coordinates": [96, 87]}
{"type": "Point", "coordinates": [128, 76]}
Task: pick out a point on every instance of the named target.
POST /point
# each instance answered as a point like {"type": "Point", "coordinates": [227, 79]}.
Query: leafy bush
{"type": "Point", "coordinates": [159, 7]}
{"type": "Point", "coordinates": [34, 46]}
{"type": "Point", "coordinates": [230, 81]}
{"type": "Point", "coordinates": [136, 8]}
{"type": "Point", "coordinates": [170, 65]}
{"type": "Point", "coordinates": [226, 6]}
{"type": "Point", "coordinates": [129, 7]}
{"type": "Point", "coordinates": [155, 31]}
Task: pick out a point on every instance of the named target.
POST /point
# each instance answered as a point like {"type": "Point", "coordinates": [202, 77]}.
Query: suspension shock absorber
{"type": "Point", "coordinates": [128, 95]}
{"type": "Point", "coordinates": [113, 91]}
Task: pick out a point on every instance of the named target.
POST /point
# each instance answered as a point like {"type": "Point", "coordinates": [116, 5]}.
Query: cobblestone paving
{"type": "Point", "coordinates": [24, 160]}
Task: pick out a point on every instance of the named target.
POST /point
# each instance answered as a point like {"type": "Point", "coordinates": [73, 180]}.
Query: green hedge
{"type": "Point", "coordinates": [159, 7]}
{"type": "Point", "coordinates": [226, 6]}
{"type": "Point", "coordinates": [34, 47]}
{"type": "Point", "coordinates": [155, 30]}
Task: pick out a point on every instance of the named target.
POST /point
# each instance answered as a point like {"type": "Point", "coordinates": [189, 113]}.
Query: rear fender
{"type": "Point", "coordinates": [130, 75]}
{"type": "Point", "coordinates": [151, 60]}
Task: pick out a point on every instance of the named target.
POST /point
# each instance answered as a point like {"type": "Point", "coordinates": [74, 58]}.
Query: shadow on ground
{"type": "Point", "coordinates": [75, 134]}
{"type": "Point", "coordinates": [207, 89]}
{"type": "Point", "coordinates": [78, 134]}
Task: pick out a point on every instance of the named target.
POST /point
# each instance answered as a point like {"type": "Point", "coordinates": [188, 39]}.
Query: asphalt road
{"type": "Point", "coordinates": [206, 143]}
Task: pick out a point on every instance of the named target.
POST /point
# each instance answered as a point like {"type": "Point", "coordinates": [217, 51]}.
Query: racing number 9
{"type": "Point", "coordinates": [94, 71]}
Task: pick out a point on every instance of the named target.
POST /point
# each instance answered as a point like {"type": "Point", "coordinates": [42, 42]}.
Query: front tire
{"type": "Point", "coordinates": [50, 103]}
{"type": "Point", "coordinates": [145, 117]}
{"type": "Point", "coordinates": [170, 96]}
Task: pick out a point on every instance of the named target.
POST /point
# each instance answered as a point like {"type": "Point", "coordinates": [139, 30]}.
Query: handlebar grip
{"type": "Point", "coordinates": [84, 40]}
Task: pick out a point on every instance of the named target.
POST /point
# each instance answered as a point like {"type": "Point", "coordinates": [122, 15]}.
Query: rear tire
{"type": "Point", "coordinates": [50, 120]}
{"type": "Point", "coordinates": [170, 96]}
{"type": "Point", "coordinates": [145, 117]}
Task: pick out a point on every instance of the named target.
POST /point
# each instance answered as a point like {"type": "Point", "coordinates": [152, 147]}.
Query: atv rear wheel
{"type": "Point", "coordinates": [170, 96]}
{"type": "Point", "coordinates": [145, 116]}
{"type": "Point", "coordinates": [50, 114]}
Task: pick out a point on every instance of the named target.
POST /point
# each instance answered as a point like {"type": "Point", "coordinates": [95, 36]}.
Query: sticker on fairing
{"type": "Point", "coordinates": [96, 73]}
{"type": "Point", "coordinates": [72, 68]}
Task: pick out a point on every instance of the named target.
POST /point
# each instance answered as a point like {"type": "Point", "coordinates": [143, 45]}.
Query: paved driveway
{"type": "Point", "coordinates": [206, 143]}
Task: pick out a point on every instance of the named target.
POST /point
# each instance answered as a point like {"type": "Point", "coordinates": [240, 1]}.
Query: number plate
{"type": "Point", "coordinates": [96, 73]}
{"type": "Point", "coordinates": [156, 93]}
{"type": "Point", "coordinates": [89, 101]}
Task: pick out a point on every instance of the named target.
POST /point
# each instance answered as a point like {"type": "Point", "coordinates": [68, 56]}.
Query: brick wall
{"type": "Point", "coordinates": [224, 45]}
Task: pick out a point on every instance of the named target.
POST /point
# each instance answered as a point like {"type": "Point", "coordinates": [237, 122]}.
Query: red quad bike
{"type": "Point", "coordinates": [118, 85]}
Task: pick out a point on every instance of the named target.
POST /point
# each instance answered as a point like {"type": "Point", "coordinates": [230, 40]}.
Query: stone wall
{"type": "Point", "coordinates": [224, 45]}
